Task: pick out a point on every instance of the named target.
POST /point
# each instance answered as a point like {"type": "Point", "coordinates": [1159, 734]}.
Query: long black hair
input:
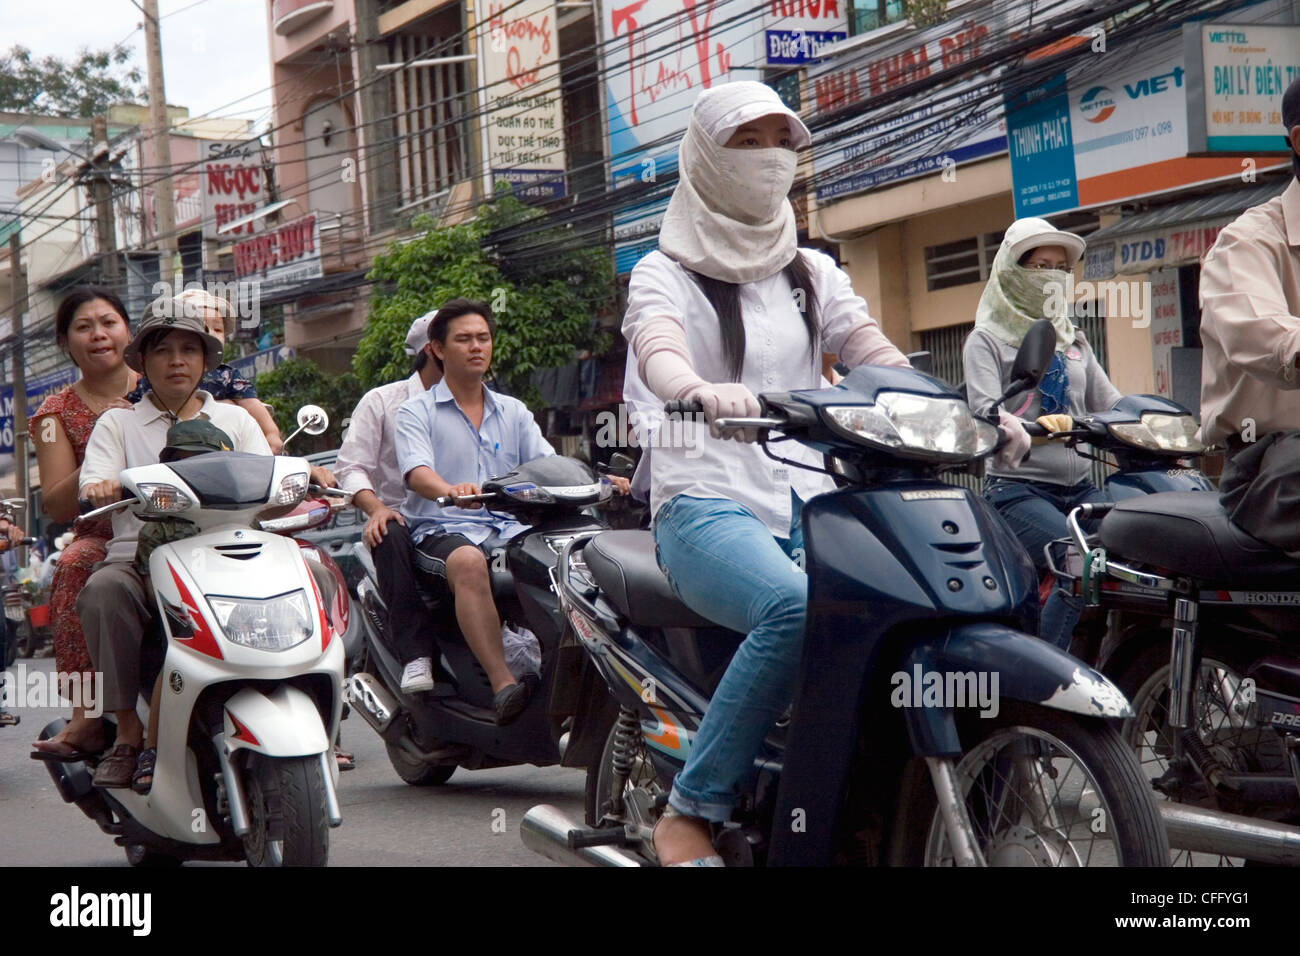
{"type": "Point", "coordinates": [725, 299]}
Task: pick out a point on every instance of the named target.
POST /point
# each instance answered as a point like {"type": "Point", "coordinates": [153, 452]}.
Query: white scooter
{"type": "Point", "coordinates": [252, 671]}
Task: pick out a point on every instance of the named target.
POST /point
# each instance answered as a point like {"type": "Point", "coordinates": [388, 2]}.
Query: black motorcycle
{"type": "Point", "coordinates": [429, 734]}
{"type": "Point", "coordinates": [917, 593]}
{"type": "Point", "coordinates": [1211, 662]}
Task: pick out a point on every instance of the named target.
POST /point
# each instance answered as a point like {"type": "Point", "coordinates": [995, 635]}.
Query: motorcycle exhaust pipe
{"type": "Point", "coordinates": [371, 699]}
{"type": "Point", "coordinates": [1229, 834]}
{"type": "Point", "coordinates": [547, 831]}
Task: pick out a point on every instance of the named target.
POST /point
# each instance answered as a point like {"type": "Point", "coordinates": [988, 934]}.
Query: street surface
{"type": "Point", "coordinates": [385, 821]}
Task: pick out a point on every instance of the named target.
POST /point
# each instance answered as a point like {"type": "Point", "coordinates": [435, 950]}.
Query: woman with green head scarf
{"type": "Point", "coordinates": [1029, 281]}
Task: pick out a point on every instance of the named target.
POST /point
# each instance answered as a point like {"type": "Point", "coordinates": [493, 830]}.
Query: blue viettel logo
{"type": "Point", "coordinates": [1097, 104]}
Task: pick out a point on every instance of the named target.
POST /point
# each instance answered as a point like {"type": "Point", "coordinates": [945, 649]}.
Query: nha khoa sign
{"type": "Point", "coordinates": [879, 145]}
{"type": "Point", "coordinates": [281, 256]}
{"type": "Point", "coordinates": [524, 123]}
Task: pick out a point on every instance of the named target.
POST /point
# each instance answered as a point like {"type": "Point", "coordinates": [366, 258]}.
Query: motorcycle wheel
{"type": "Point", "coordinates": [416, 772]}
{"type": "Point", "coordinates": [27, 641]}
{"type": "Point", "coordinates": [600, 778]}
{"type": "Point", "coordinates": [1044, 788]}
{"type": "Point", "coordinates": [1221, 717]}
{"type": "Point", "coordinates": [286, 808]}
{"type": "Point", "coordinates": [138, 855]}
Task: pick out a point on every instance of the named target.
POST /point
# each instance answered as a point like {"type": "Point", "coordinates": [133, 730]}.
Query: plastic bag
{"type": "Point", "coordinates": [523, 651]}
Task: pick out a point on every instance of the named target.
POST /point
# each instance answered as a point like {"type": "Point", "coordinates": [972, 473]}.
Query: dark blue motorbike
{"type": "Point", "coordinates": [928, 726]}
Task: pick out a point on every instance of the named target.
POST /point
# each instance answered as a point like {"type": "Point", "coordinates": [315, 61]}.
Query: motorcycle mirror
{"type": "Point", "coordinates": [313, 420]}
{"type": "Point", "coordinates": [1032, 358]}
{"type": "Point", "coordinates": [922, 361]}
{"type": "Point", "coordinates": [621, 464]}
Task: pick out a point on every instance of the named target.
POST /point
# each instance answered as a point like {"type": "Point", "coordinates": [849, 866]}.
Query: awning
{"type": "Point", "coordinates": [1172, 235]}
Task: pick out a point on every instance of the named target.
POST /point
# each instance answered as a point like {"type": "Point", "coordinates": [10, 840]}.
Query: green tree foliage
{"type": "Point", "coordinates": [544, 285]}
{"type": "Point", "coordinates": [85, 85]}
{"type": "Point", "coordinates": [926, 13]}
{"type": "Point", "coordinates": [297, 382]}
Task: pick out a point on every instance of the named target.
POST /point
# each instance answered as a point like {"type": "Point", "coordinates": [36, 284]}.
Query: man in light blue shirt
{"type": "Point", "coordinates": [450, 439]}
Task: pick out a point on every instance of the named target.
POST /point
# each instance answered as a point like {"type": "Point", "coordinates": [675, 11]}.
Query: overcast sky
{"type": "Point", "coordinates": [215, 53]}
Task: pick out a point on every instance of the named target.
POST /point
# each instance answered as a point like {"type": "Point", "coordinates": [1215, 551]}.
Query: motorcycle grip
{"type": "Point", "coordinates": [682, 406]}
{"type": "Point", "coordinates": [1034, 430]}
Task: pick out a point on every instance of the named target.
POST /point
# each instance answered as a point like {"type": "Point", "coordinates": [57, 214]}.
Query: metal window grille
{"type": "Point", "coordinates": [961, 262]}
{"type": "Point", "coordinates": [428, 102]}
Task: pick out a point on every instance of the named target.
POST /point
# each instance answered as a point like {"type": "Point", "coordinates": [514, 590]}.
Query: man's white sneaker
{"type": "Point", "coordinates": [418, 676]}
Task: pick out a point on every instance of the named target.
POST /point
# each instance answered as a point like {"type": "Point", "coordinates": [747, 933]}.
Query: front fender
{"type": "Point", "coordinates": [993, 657]}
{"type": "Point", "coordinates": [283, 723]}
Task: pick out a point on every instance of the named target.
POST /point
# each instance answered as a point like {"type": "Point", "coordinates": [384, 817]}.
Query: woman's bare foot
{"type": "Point", "coordinates": [679, 838]}
{"type": "Point", "coordinates": [85, 734]}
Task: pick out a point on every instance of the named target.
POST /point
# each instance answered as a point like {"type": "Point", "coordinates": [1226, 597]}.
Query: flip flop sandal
{"type": "Point", "coordinates": [144, 766]}
{"type": "Point", "coordinates": [345, 760]}
{"type": "Point", "coordinates": [72, 755]}
{"type": "Point", "coordinates": [115, 771]}
{"type": "Point", "coordinates": [9, 720]}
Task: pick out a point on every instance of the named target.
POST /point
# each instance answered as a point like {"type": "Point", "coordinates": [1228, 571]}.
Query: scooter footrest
{"type": "Point", "coordinates": [605, 836]}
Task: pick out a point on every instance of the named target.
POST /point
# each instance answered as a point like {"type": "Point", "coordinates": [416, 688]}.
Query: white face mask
{"type": "Point", "coordinates": [754, 183]}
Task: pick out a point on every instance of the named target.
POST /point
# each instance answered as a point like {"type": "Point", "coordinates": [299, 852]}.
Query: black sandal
{"type": "Point", "coordinates": [144, 766]}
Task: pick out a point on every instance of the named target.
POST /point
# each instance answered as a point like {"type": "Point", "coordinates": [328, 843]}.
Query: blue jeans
{"type": "Point", "coordinates": [725, 565]}
{"type": "Point", "coordinates": [1036, 512]}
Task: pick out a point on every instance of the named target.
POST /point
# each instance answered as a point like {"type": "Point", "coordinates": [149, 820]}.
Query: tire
{"type": "Point", "coordinates": [600, 776]}
{"type": "Point", "coordinates": [27, 641]}
{"type": "Point", "coordinates": [1117, 824]}
{"type": "Point", "coordinates": [138, 855]}
{"type": "Point", "coordinates": [416, 772]}
{"type": "Point", "coordinates": [1145, 683]}
{"type": "Point", "coordinates": [286, 809]}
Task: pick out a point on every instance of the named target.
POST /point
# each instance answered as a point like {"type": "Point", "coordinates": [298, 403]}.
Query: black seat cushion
{"type": "Point", "coordinates": [1190, 533]}
{"type": "Point", "coordinates": [623, 564]}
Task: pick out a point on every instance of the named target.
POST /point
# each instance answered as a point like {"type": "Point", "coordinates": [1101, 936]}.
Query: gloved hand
{"type": "Point", "coordinates": [1013, 452]}
{"type": "Point", "coordinates": [727, 400]}
{"type": "Point", "coordinates": [1056, 423]}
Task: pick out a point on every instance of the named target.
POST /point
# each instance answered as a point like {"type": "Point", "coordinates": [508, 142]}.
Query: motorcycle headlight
{"type": "Point", "coordinates": [292, 489]}
{"type": "Point", "coordinates": [920, 425]}
{"type": "Point", "coordinates": [1159, 432]}
{"type": "Point", "coordinates": [275, 624]}
{"type": "Point", "coordinates": [163, 498]}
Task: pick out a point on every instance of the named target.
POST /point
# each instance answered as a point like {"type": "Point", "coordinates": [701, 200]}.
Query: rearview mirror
{"type": "Point", "coordinates": [313, 420]}
{"type": "Point", "coordinates": [1032, 359]}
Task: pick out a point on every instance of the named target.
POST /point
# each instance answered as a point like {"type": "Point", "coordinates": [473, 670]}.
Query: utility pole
{"type": "Point", "coordinates": [101, 190]}
{"type": "Point", "coordinates": [19, 284]}
{"type": "Point", "coordinates": [164, 209]}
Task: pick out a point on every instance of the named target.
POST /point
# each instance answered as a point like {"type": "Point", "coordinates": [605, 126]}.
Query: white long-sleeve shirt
{"type": "Point", "coordinates": [368, 456]}
{"type": "Point", "coordinates": [686, 460]}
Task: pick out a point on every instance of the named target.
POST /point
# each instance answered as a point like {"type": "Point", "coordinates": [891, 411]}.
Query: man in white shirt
{"type": "Point", "coordinates": [173, 350]}
{"type": "Point", "coordinates": [367, 468]}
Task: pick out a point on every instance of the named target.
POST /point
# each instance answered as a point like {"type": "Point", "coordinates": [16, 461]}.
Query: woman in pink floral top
{"type": "Point", "coordinates": [92, 328]}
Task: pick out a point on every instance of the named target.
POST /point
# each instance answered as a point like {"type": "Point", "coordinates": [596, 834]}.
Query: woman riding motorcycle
{"type": "Point", "coordinates": [1028, 282]}
{"type": "Point", "coordinates": [729, 307]}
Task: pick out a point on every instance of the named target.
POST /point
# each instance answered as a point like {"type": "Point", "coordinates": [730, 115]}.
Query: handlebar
{"type": "Point", "coordinates": [87, 508]}
{"type": "Point", "coordinates": [447, 501]}
{"type": "Point", "coordinates": [681, 406]}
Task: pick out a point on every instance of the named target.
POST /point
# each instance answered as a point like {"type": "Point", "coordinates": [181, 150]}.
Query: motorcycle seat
{"type": "Point", "coordinates": [623, 564]}
{"type": "Point", "coordinates": [1188, 532]}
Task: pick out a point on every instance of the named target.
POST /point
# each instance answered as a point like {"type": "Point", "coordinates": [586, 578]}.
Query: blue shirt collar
{"type": "Point", "coordinates": [442, 394]}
